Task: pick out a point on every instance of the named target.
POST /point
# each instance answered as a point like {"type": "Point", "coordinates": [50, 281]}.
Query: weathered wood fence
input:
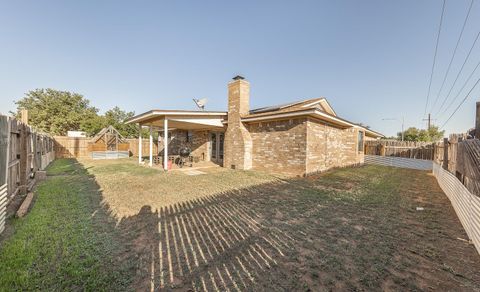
{"type": "Point", "coordinates": [23, 152]}
{"type": "Point", "coordinates": [405, 149]}
{"type": "Point", "coordinates": [73, 147]}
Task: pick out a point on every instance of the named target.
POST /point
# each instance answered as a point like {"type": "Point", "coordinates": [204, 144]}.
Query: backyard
{"type": "Point", "coordinates": [114, 225]}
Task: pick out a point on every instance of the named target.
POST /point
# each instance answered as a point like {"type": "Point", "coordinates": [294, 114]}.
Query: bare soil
{"type": "Point", "coordinates": [347, 229]}
{"type": "Point", "coordinates": [354, 229]}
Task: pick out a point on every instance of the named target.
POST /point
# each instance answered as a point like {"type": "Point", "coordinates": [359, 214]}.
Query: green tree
{"type": "Point", "coordinates": [117, 117]}
{"type": "Point", "coordinates": [56, 112]}
{"type": "Point", "coordinates": [413, 134]}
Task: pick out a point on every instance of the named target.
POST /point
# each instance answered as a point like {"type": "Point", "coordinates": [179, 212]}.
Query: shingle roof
{"type": "Point", "coordinates": [287, 107]}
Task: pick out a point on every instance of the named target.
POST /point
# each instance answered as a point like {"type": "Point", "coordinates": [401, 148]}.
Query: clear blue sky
{"type": "Point", "coordinates": [371, 59]}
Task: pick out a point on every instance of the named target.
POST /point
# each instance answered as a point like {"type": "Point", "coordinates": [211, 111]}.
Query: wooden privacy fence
{"type": "Point", "coordinates": [73, 147]}
{"type": "Point", "coordinates": [406, 149]}
{"type": "Point", "coordinates": [22, 153]}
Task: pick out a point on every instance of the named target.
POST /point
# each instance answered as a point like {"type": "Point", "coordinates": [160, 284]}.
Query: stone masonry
{"type": "Point", "coordinates": [238, 142]}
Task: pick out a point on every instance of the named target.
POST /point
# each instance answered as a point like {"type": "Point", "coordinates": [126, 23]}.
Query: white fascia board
{"type": "Point", "coordinates": [206, 122]}
{"type": "Point", "coordinates": [173, 113]}
{"type": "Point", "coordinates": [332, 118]}
{"type": "Point", "coordinates": [314, 112]}
{"type": "Point", "coordinates": [285, 115]}
{"type": "Point", "coordinates": [313, 103]}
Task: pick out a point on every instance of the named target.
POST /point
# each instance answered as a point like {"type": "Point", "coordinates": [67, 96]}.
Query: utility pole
{"type": "Point", "coordinates": [429, 120]}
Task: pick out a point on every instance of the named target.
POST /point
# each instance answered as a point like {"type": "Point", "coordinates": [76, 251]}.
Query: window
{"type": "Point", "coordinates": [189, 136]}
{"type": "Point", "coordinates": [360, 141]}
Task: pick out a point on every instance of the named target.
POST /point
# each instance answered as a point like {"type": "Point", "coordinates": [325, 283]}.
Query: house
{"type": "Point", "coordinates": [297, 138]}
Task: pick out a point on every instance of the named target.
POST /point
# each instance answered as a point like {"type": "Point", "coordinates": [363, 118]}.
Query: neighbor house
{"type": "Point", "coordinates": [296, 138]}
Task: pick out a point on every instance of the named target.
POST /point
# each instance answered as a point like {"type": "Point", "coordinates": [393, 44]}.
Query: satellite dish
{"type": "Point", "coordinates": [200, 103]}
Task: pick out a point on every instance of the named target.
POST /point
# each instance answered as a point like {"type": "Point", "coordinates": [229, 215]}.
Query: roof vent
{"type": "Point", "coordinates": [238, 77]}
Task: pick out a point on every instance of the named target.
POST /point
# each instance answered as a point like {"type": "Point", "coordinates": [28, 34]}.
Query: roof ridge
{"type": "Point", "coordinates": [283, 105]}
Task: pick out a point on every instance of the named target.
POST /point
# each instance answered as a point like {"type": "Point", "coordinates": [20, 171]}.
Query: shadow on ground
{"type": "Point", "coordinates": [348, 229]}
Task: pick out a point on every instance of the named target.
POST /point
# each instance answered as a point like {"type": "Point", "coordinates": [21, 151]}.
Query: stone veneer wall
{"type": "Point", "coordinates": [330, 146]}
{"type": "Point", "coordinates": [279, 146]}
{"type": "Point", "coordinates": [198, 144]}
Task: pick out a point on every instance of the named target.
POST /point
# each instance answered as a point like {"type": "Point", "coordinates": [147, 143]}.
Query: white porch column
{"type": "Point", "coordinates": [165, 144]}
{"type": "Point", "coordinates": [150, 161]}
{"type": "Point", "coordinates": [140, 143]}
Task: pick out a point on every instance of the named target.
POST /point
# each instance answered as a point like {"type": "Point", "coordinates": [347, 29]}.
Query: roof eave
{"type": "Point", "coordinates": [158, 113]}
{"type": "Point", "coordinates": [312, 112]}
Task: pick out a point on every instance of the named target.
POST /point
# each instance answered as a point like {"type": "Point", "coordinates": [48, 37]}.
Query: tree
{"type": "Point", "coordinates": [117, 117]}
{"type": "Point", "coordinates": [413, 134]}
{"type": "Point", "coordinates": [57, 112]}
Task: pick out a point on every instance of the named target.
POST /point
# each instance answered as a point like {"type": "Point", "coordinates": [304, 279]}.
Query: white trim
{"type": "Point", "coordinates": [150, 161]}
{"type": "Point", "coordinates": [311, 112]}
{"type": "Point", "coordinates": [285, 115]}
{"type": "Point", "coordinates": [165, 144]}
{"type": "Point", "coordinates": [324, 103]}
{"type": "Point", "coordinates": [313, 103]}
{"type": "Point", "coordinates": [320, 113]}
{"type": "Point", "coordinates": [173, 113]}
{"type": "Point", "coordinates": [140, 144]}
{"type": "Point", "coordinates": [205, 122]}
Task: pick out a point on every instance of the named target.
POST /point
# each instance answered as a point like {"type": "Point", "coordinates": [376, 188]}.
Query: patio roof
{"type": "Point", "coordinates": [181, 119]}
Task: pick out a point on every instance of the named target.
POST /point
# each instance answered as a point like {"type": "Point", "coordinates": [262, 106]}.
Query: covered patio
{"type": "Point", "coordinates": [199, 131]}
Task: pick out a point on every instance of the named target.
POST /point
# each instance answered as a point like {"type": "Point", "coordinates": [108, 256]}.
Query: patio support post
{"type": "Point", "coordinates": [165, 144]}
{"type": "Point", "coordinates": [150, 161]}
{"type": "Point", "coordinates": [140, 143]}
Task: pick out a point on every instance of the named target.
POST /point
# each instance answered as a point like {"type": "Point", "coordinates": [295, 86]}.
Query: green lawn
{"type": "Point", "coordinates": [116, 226]}
{"type": "Point", "coordinates": [61, 244]}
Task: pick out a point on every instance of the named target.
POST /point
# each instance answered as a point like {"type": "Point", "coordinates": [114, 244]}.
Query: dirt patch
{"type": "Point", "coordinates": [347, 229]}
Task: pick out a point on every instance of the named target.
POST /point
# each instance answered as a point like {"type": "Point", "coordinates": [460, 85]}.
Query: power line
{"type": "Point", "coordinates": [435, 56]}
{"type": "Point", "coordinates": [463, 65]}
{"type": "Point", "coordinates": [451, 60]}
{"type": "Point", "coordinates": [461, 89]}
{"type": "Point", "coordinates": [464, 99]}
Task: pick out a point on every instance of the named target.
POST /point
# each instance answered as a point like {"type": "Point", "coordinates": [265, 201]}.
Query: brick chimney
{"type": "Point", "coordinates": [238, 142]}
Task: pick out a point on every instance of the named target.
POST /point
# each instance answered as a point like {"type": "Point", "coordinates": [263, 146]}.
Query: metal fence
{"type": "Point", "coordinates": [466, 204]}
{"type": "Point", "coordinates": [399, 162]}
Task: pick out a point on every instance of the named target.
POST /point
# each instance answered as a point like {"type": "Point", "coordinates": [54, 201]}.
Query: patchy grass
{"type": "Point", "coordinates": [347, 229]}
{"type": "Point", "coordinates": [127, 187]}
{"type": "Point", "coordinates": [61, 244]}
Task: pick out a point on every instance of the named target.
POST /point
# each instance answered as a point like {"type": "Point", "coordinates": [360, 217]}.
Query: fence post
{"type": "Point", "coordinates": [445, 153]}
{"type": "Point", "coordinates": [477, 121]}
{"type": "Point", "coordinates": [382, 150]}
{"type": "Point", "coordinates": [23, 158]}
